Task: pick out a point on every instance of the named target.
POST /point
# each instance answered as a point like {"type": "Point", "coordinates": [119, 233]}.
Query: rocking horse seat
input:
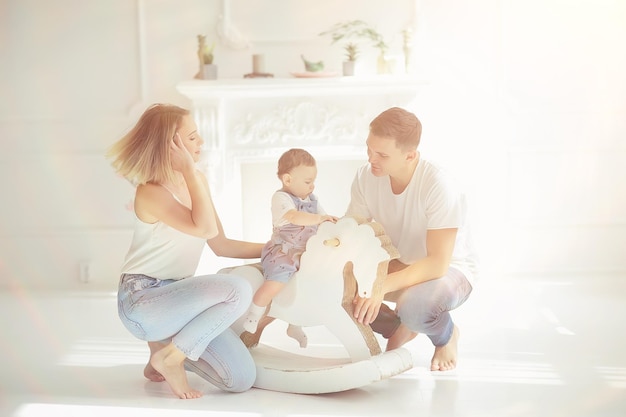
{"type": "Point", "coordinates": [342, 259]}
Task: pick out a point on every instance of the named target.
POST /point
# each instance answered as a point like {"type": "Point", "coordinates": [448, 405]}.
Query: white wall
{"type": "Point", "coordinates": [526, 102]}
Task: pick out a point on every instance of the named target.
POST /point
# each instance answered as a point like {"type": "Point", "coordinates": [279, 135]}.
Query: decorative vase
{"type": "Point", "coordinates": [382, 64]}
{"type": "Point", "coordinates": [209, 72]}
{"type": "Point", "coordinates": [348, 68]}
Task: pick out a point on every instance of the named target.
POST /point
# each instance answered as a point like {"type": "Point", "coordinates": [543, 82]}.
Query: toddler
{"type": "Point", "coordinates": [296, 214]}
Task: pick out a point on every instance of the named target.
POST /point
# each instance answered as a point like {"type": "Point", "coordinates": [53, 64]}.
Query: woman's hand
{"type": "Point", "coordinates": [180, 156]}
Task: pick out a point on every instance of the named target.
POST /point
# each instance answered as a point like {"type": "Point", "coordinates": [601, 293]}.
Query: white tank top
{"type": "Point", "coordinates": [160, 251]}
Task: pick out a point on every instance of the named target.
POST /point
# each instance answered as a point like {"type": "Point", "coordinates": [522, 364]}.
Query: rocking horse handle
{"type": "Point", "coordinates": [332, 242]}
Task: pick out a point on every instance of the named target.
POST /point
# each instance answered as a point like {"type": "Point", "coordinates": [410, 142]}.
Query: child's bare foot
{"type": "Point", "coordinates": [445, 356]}
{"type": "Point", "coordinates": [169, 363]}
{"type": "Point", "coordinates": [401, 336]}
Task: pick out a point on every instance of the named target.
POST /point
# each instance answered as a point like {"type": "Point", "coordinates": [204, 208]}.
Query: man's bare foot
{"type": "Point", "coordinates": [401, 336]}
{"type": "Point", "coordinates": [445, 356]}
{"type": "Point", "coordinates": [169, 363]}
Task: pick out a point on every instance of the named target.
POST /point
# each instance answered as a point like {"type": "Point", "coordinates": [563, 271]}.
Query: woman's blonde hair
{"type": "Point", "coordinates": [143, 154]}
{"type": "Point", "coordinates": [293, 158]}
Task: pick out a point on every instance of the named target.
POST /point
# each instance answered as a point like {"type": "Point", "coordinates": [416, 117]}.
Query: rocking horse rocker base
{"type": "Point", "coordinates": [339, 260]}
{"type": "Point", "coordinates": [278, 370]}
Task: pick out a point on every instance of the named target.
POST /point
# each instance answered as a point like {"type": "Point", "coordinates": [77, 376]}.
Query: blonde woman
{"type": "Point", "coordinates": [184, 318]}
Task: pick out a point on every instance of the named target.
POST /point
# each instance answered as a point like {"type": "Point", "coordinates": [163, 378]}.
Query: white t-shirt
{"type": "Point", "coordinates": [430, 201]}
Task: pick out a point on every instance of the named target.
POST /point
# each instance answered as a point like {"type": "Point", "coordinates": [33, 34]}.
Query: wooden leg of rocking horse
{"type": "Point", "coordinates": [252, 339]}
{"type": "Point", "coordinates": [350, 289]}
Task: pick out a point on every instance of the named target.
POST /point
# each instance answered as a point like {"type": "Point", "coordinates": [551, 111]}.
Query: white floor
{"type": "Point", "coordinates": [549, 348]}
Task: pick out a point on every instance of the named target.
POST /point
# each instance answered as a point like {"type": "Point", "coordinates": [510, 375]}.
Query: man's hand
{"type": "Point", "coordinates": [366, 309]}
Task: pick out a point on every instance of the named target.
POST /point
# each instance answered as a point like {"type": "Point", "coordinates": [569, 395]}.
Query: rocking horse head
{"type": "Point", "coordinates": [337, 244]}
{"type": "Point", "coordinates": [320, 283]}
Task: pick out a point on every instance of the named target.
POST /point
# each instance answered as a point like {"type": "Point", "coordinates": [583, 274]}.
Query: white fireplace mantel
{"type": "Point", "coordinates": [202, 90]}
{"type": "Point", "coordinates": [256, 119]}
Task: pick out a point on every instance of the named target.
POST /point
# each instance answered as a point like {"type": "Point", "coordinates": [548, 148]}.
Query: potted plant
{"type": "Point", "coordinates": [357, 29]}
{"type": "Point", "coordinates": [208, 70]}
{"type": "Point", "coordinates": [352, 52]}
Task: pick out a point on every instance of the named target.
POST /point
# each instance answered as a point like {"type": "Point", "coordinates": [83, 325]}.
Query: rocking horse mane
{"type": "Point", "coordinates": [379, 232]}
{"type": "Point", "coordinates": [351, 240]}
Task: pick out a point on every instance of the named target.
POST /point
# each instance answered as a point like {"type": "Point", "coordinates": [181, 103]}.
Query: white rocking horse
{"type": "Point", "coordinates": [339, 260]}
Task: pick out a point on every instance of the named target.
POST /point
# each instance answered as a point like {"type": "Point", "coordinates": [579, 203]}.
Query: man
{"type": "Point", "coordinates": [424, 214]}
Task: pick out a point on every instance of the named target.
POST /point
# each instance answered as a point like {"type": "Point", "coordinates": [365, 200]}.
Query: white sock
{"type": "Point", "coordinates": [297, 333]}
{"type": "Point", "coordinates": [252, 319]}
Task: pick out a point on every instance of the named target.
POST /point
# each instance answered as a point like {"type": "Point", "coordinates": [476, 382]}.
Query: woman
{"type": "Point", "coordinates": [185, 319]}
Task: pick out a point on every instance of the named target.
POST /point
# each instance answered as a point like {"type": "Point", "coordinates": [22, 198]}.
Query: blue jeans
{"type": "Point", "coordinates": [195, 315]}
{"type": "Point", "coordinates": [425, 308]}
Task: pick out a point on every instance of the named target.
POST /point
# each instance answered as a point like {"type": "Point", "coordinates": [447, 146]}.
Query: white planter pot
{"type": "Point", "coordinates": [348, 67]}
{"type": "Point", "coordinates": [209, 72]}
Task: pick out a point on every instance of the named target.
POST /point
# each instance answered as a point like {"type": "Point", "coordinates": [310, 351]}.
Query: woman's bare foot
{"type": "Point", "coordinates": [149, 371]}
{"type": "Point", "coordinates": [445, 356]}
{"type": "Point", "coordinates": [152, 374]}
{"type": "Point", "coordinates": [169, 363]}
{"type": "Point", "coordinates": [401, 336]}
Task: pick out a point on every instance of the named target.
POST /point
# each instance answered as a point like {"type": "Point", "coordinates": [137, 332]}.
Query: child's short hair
{"type": "Point", "coordinates": [292, 158]}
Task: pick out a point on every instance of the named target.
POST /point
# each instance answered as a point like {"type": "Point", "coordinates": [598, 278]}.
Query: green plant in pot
{"type": "Point", "coordinates": [351, 53]}
{"type": "Point", "coordinates": [207, 55]}
{"type": "Point", "coordinates": [355, 29]}
{"type": "Point", "coordinates": [208, 69]}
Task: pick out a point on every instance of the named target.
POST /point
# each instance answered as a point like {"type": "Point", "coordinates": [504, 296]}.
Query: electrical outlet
{"type": "Point", "coordinates": [84, 271]}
